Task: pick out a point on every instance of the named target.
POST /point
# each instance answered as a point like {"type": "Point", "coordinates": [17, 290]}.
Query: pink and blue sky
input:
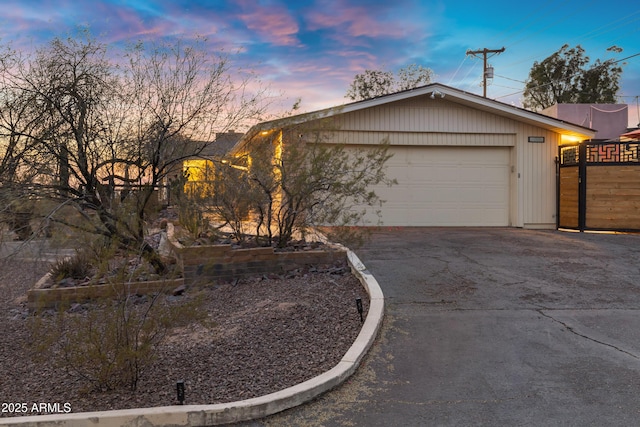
{"type": "Point", "coordinates": [312, 49]}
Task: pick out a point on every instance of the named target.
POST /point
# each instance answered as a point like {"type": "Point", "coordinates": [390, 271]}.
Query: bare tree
{"type": "Point", "coordinates": [18, 119]}
{"type": "Point", "coordinates": [121, 119]}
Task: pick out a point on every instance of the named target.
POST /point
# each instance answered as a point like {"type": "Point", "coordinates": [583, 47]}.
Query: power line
{"type": "Point", "coordinates": [472, 68]}
{"type": "Point", "coordinates": [604, 64]}
{"type": "Point", "coordinates": [509, 78]}
{"type": "Point", "coordinates": [607, 28]}
{"type": "Point", "coordinates": [597, 31]}
{"type": "Point", "coordinates": [484, 53]}
{"type": "Point", "coordinates": [531, 18]}
{"type": "Point", "coordinates": [458, 69]}
{"type": "Point", "coordinates": [553, 24]}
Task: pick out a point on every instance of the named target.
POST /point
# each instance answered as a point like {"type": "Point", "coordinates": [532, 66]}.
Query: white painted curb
{"type": "Point", "coordinates": [207, 415]}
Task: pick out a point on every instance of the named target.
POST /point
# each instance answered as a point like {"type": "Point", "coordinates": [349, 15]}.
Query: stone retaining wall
{"type": "Point", "coordinates": [200, 265]}
{"type": "Point", "coordinates": [50, 297]}
{"type": "Point", "coordinates": [222, 262]}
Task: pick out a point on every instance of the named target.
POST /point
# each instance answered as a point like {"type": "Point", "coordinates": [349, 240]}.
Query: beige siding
{"type": "Point", "coordinates": [426, 138]}
{"type": "Point", "coordinates": [537, 179]}
{"type": "Point", "coordinates": [439, 122]}
{"type": "Point", "coordinates": [426, 115]}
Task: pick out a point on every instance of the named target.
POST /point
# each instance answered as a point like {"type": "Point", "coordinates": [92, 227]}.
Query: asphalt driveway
{"type": "Point", "coordinates": [496, 327]}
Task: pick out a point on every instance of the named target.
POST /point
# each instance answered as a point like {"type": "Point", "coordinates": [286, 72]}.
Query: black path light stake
{"type": "Point", "coordinates": [180, 391]}
{"type": "Point", "coordinates": [360, 309]}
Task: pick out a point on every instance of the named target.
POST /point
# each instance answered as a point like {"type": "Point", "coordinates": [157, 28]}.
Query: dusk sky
{"type": "Point", "coordinates": [312, 49]}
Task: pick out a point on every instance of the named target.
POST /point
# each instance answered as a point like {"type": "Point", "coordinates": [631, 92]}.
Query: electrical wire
{"type": "Point", "coordinates": [553, 24]}
{"type": "Point", "coordinates": [596, 32]}
{"type": "Point", "coordinates": [509, 78]}
{"type": "Point", "coordinates": [458, 69]}
{"type": "Point", "coordinates": [533, 18]}
{"type": "Point", "coordinates": [547, 84]}
{"type": "Point", "coordinates": [470, 70]}
{"type": "Point", "coordinates": [505, 87]}
{"type": "Point", "coordinates": [626, 20]}
{"type": "Point", "coordinates": [543, 7]}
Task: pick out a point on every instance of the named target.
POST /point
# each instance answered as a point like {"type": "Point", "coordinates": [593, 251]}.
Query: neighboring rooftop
{"type": "Point", "coordinates": [223, 143]}
{"type": "Point", "coordinates": [609, 120]}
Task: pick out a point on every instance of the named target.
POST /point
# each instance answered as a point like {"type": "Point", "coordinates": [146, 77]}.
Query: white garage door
{"type": "Point", "coordinates": [447, 186]}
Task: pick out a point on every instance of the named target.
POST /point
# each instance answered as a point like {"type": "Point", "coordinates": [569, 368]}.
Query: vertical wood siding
{"type": "Point", "coordinates": [438, 122]}
{"type": "Point", "coordinates": [426, 115]}
{"type": "Point", "coordinates": [537, 180]}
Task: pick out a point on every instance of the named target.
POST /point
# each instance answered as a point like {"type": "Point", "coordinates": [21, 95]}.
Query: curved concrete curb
{"type": "Point", "coordinates": [206, 415]}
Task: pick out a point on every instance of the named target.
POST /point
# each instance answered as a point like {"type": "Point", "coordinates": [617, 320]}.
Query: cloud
{"type": "Point", "coordinates": [273, 22]}
{"type": "Point", "coordinates": [353, 20]}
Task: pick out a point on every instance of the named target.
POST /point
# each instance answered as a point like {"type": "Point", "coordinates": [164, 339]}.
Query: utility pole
{"type": "Point", "coordinates": [484, 53]}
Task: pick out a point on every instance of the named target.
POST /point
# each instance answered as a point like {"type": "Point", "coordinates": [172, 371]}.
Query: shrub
{"type": "Point", "coordinates": [191, 212]}
{"type": "Point", "coordinates": [75, 267]}
{"type": "Point", "coordinates": [301, 180]}
{"type": "Point", "coordinates": [114, 341]}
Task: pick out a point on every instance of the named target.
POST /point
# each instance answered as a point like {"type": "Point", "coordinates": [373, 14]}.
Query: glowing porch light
{"type": "Point", "coordinates": [568, 139]}
{"type": "Point", "coordinates": [198, 169]}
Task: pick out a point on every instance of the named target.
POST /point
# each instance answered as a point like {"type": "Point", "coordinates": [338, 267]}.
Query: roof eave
{"type": "Point", "coordinates": [497, 107]}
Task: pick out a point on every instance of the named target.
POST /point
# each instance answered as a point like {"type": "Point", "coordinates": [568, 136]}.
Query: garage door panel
{"type": "Point", "coordinates": [448, 186]}
{"type": "Point", "coordinates": [401, 173]}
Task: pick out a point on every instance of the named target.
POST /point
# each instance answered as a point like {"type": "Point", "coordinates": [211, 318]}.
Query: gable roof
{"type": "Point", "coordinates": [437, 89]}
{"type": "Point", "coordinates": [224, 142]}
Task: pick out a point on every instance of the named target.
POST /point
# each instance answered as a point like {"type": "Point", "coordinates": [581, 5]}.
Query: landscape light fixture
{"type": "Point", "coordinates": [360, 309]}
{"type": "Point", "coordinates": [180, 391]}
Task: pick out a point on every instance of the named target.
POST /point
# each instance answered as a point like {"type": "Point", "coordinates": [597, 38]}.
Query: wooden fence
{"type": "Point", "coordinates": [599, 186]}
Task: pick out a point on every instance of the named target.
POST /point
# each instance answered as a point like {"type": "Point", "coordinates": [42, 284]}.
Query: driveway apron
{"type": "Point", "coordinates": [495, 326]}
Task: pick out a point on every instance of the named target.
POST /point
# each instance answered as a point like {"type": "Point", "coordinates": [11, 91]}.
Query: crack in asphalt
{"type": "Point", "coordinates": [573, 331]}
{"type": "Point", "coordinates": [457, 401]}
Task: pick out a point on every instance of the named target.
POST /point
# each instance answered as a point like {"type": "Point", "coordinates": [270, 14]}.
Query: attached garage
{"type": "Point", "coordinates": [448, 186]}
{"type": "Point", "coordinates": [459, 159]}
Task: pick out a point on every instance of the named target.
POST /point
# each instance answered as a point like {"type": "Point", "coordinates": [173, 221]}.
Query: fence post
{"type": "Point", "coordinates": [582, 185]}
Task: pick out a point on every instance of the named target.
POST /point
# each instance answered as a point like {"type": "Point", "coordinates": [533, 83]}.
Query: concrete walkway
{"type": "Point", "coordinates": [32, 250]}
{"type": "Point", "coordinates": [495, 327]}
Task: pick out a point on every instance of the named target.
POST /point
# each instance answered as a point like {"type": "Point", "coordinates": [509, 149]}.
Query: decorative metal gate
{"type": "Point", "coordinates": [599, 186]}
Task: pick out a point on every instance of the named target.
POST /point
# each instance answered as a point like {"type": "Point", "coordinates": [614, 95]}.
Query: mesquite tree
{"type": "Point", "coordinates": [293, 183]}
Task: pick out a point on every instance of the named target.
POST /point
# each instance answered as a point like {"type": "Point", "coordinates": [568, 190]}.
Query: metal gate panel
{"type": "Point", "coordinates": [599, 186]}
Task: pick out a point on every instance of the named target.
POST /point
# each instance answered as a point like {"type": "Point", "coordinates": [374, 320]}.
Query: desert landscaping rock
{"type": "Point", "coordinates": [264, 334]}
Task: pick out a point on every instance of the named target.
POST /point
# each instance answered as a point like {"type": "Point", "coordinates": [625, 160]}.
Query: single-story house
{"type": "Point", "coordinates": [459, 159]}
{"type": "Point", "coordinates": [202, 167]}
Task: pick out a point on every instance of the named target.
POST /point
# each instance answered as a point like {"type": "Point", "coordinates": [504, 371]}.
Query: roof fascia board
{"type": "Point", "coordinates": [524, 115]}
{"type": "Point", "coordinates": [467, 98]}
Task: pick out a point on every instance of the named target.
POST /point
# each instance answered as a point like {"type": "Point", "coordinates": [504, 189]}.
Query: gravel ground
{"type": "Point", "coordinates": [264, 334]}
